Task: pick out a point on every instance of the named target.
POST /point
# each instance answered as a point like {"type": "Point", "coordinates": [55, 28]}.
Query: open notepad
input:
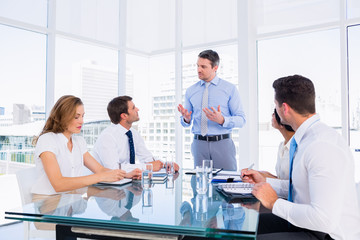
{"type": "Point", "coordinates": [236, 187]}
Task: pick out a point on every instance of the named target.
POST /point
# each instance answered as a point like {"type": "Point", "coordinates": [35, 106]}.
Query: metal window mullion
{"type": "Point", "coordinates": [178, 79]}
{"type": "Point", "coordinates": [122, 48]}
{"type": "Point", "coordinates": [344, 67]}
{"type": "Point", "coordinates": [50, 58]}
{"type": "Point", "coordinates": [249, 135]}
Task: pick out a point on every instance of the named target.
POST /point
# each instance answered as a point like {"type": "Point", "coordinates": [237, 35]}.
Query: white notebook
{"type": "Point", "coordinates": [118, 183]}
{"type": "Point", "coordinates": [237, 187]}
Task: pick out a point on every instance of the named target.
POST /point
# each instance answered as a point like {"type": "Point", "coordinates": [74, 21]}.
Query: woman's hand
{"type": "Point", "coordinates": [134, 174]}
{"type": "Point", "coordinates": [112, 175]}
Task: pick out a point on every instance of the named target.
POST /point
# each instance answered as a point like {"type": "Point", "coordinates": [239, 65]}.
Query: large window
{"type": "Point", "coordinates": [91, 73]}
{"type": "Point", "coordinates": [87, 71]}
{"type": "Point", "coordinates": [314, 55]}
{"type": "Point", "coordinates": [94, 19]}
{"type": "Point", "coordinates": [22, 91]}
{"type": "Point", "coordinates": [209, 21]}
{"type": "Point", "coordinates": [279, 15]}
{"type": "Point", "coordinates": [31, 12]}
{"type": "Point", "coordinates": [153, 81]}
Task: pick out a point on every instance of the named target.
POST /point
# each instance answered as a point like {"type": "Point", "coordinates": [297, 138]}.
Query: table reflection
{"type": "Point", "coordinates": [211, 211]}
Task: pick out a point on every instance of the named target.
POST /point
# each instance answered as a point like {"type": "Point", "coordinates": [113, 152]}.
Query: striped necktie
{"type": "Point", "coordinates": [204, 104]}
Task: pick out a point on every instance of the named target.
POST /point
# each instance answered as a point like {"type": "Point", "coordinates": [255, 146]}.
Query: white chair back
{"type": "Point", "coordinates": [26, 179]}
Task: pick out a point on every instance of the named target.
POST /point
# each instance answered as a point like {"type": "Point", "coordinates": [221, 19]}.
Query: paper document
{"type": "Point", "coordinates": [215, 171]}
{"type": "Point", "coordinates": [121, 182]}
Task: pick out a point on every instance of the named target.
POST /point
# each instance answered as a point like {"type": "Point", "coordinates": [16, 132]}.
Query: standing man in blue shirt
{"type": "Point", "coordinates": [214, 107]}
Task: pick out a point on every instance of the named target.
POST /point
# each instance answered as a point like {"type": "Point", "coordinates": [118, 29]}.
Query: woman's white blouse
{"type": "Point", "coordinates": [70, 163]}
{"type": "Point", "coordinates": [282, 164]}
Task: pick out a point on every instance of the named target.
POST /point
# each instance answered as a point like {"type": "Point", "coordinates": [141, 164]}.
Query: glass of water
{"type": "Point", "coordinates": [201, 180]}
{"type": "Point", "coordinates": [208, 167]}
{"type": "Point", "coordinates": [146, 175]}
{"type": "Point", "coordinates": [169, 167]}
{"type": "Point", "coordinates": [147, 201]}
{"type": "Point", "coordinates": [201, 207]}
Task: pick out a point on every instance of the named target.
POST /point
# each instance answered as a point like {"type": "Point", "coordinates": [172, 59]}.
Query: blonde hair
{"type": "Point", "coordinates": [61, 114]}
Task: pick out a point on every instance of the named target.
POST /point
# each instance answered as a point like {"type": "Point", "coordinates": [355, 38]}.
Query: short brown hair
{"type": "Point", "coordinates": [116, 107]}
{"type": "Point", "coordinates": [297, 91]}
{"type": "Point", "coordinates": [212, 56]}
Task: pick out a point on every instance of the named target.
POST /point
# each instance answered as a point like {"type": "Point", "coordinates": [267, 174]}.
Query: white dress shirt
{"type": "Point", "coordinates": [323, 184]}
{"type": "Point", "coordinates": [70, 163]}
{"type": "Point", "coordinates": [282, 164]}
{"type": "Point", "coordinates": [112, 148]}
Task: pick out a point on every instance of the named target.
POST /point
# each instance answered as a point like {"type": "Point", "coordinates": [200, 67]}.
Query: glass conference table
{"type": "Point", "coordinates": [168, 210]}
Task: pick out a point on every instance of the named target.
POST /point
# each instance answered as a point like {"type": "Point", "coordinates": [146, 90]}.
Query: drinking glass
{"type": "Point", "coordinates": [169, 167]}
{"type": "Point", "coordinates": [208, 166]}
{"type": "Point", "coordinates": [170, 182]}
{"type": "Point", "coordinates": [201, 207]}
{"type": "Point", "coordinates": [201, 180]}
{"type": "Point", "coordinates": [147, 201]}
{"type": "Point", "coordinates": [146, 175]}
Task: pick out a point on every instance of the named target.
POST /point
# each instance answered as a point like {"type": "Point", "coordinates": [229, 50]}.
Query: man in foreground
{"type": "Point", "coordinates": [321, 195]}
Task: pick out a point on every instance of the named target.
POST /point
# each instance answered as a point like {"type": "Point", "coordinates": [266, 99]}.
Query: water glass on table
{"type": "Point", "coordinates": [201, 180]}
{"type": "Point", "coordinates": [169, 167]}
{"type": "Point", "coordinates": [170, 182]}
{"type": "Point", "coordinates": [146, 175]}
{"type": "Point", "coordinates": [208, 167]}
{"type": "Point", "coordinates": [201, 207]}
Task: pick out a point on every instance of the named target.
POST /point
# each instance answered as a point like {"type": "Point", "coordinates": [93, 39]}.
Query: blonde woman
{"type": "Point", "coordinates": [60, 156]}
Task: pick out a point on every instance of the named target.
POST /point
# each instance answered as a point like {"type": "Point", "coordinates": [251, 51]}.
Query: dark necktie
{"type": "Point", "coordinates": [131, 146]}
{"type": "Point", "coordinates": [292, 150]}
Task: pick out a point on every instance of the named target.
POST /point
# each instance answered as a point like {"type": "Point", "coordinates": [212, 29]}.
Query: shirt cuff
{"type": "Point", "coordinates": [185, 124]}
{"type": "Point", "coordinates": [226, 122]}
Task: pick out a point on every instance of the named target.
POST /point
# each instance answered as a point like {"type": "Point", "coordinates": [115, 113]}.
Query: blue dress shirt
{"type": "Point", "coordinates": [221, 93]}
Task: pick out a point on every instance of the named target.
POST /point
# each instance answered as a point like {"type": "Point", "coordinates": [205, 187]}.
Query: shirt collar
{"type": "Point", "coordinates": [215, 81]}
{"type": "Point", "coordinates": [64, 138]}
{"type": "Point", "coordinates": [120, 128]}
{"type": "Point", "coordinates": [300, 132]}
{"type": "Point", "coordinates": [287, 145]}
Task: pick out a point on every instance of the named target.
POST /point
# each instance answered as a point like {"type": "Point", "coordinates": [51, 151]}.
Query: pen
{"type": "Point", "coordinates": [249, 168]}
{"type": "Point", "coordinates": [217, 171]}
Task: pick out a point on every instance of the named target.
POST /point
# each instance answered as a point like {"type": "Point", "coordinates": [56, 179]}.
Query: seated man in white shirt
{"type": "Point", "coordinates": [113, 147]}
{"type": "Point", "coordinates": [321, 195]}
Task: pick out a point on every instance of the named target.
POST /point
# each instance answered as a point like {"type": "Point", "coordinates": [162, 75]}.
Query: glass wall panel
{"type": "Point", "coordinates": [153, 81]}
{"type": "Point", "coordinates": [28, 11]}
{"type": "Point", "coordinates": [206, 21]}
{"type": "Point", "coordinates": [278, 15]}
{"type": "Point", "coordinates": [22, 92]}
{"type": "Point", "coordinates": [150, 25]}
{"type": "Point", "coordinates": [95, 19]}
{"type": "Point", "coordinates": [353, 8]}
{"type": "Point", "coordinates": [314, 55]}
{"type": "Point", "coordinates": [354, 97]}
{"type": "Point", "coordinates": [89, 72]}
